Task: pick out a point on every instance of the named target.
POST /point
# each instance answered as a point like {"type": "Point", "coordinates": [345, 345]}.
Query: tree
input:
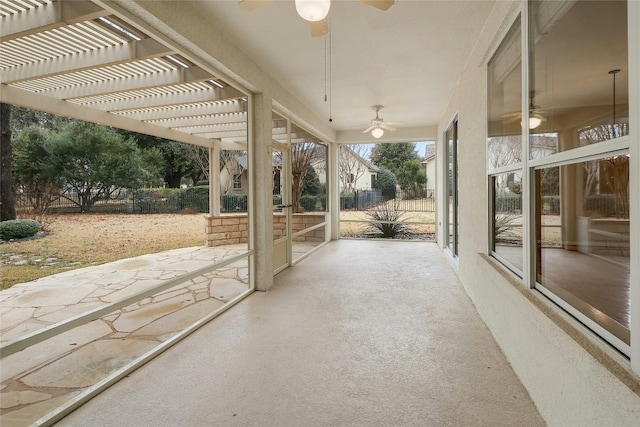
{"type": "Point", "coordinates": [352, 165]}
{"type": "Point", "coordinates": [386, 179]}
{"type": "Point", "coordinates": [412, 177]}
{"type": "Point", "coordinates": [303, 156]}
{"type": "Point", "coordinates": [311, 183]}
{"type": "Point", "coordinates": [393, 156]}
{"type": "Point", "coordinates": [7, 197]}
{"type": "Point", "coordinates": [22, 118]}
{"type": "Point", "coordinates": [95, 161]}
{"type": "Point", "coordinates": [33, 173]}
{"type": "Point", "coordinates": [177, 157]}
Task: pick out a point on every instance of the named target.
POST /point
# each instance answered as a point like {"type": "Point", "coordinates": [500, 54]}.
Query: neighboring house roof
{"type": "Point", "coordinates": [242, 161]}
{"type": "Point", "coordinates": [429, 152]}
{"type": "Point", "coordinates": [367, 163]}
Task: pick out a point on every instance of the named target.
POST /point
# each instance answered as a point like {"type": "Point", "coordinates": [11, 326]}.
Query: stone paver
{"type": "Point", "coordinates": [39, 379]}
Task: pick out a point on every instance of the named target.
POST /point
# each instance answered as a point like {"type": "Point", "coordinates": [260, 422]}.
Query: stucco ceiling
{"type": "Point", "coordinates": [407, 58]}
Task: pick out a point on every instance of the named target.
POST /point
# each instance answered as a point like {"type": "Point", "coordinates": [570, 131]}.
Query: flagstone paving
{"type": "Point", "coordinates": [39, 379]}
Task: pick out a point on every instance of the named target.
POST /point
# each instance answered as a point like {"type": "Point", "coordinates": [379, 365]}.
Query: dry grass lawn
{"type": "Point", "coordinates": [79, 240]}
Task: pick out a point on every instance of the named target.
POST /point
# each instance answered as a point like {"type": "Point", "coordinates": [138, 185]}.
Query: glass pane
{"type": "Point", "coordinates": [504, 144]}
{"type": "Point", "coordinates": [308, 172]}
{"type": "Point", "coordinates": [579, 73]}
{"type": "Point", "coordinates": [507, 218]}
{"type": "Point", "coordinates": [582, 228]}
{"type": "Point", "coordinates": [450, 188]}
{"type": "Point", "coordinates": [452, 212]}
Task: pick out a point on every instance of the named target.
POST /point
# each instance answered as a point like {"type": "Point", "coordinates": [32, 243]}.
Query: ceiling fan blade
{"type": "Point", "coordinates": [379, 4]}
{"type": "Point", "coordinates": [385, 126]}
{"type": "Point", "coordinates": [393, 123]}
{"type": "Point", "coordinates": [250, 5]}
{"type": "Point", "coordinates": [319, 28]}
{"type": "Point", "coordinates": [369, 129]}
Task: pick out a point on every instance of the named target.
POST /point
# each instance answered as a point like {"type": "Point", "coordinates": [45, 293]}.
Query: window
{"type": "Point", "coordinates": [566, 189]}
{"type": "Point", "coordinates": [579, 91]}
{"type": "Point", "coordinates": [504, 150]}
{"type": "Point", "coordinates": [237, 181]}
{"type": "Point", "coordinates": [373, 180]}
{"type": "Point", "coordinates": [451, 138]}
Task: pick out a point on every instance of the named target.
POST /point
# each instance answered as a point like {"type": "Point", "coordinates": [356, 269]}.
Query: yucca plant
{"type": "Point", "coordinates": [387, 219]}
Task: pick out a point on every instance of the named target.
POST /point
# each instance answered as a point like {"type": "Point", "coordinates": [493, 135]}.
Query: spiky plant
{"type": "Point", "coordinates": [386, 220]}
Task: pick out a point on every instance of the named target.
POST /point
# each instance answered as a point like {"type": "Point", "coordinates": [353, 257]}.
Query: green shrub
{"type": "Point", "coordinates": [234, 202]}
{"type": "Point", "coordinates": [194, 198]}
{"type": "Point", "coordinates": [18, 228]}
{"type": "Point", "coordinates": [277, 199]}
{"type": "Point", "coordinates": [323, 201]}
{"type": "Point", "coordinates": [347, 201]}
{"type": "Point", "coordinates": [308, 202]}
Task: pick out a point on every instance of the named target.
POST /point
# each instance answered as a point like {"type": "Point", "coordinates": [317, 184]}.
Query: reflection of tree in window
{"type": "Point", "coordinates": [591, 135]}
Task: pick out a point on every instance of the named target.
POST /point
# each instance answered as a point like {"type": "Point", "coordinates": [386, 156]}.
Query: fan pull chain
{"type": "Point", "coordinates": [327, 67]}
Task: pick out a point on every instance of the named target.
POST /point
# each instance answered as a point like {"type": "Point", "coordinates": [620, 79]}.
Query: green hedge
{"type": "Point", "coordinates": [233, 202]}
{"type": "Point", "coordinates": [308, 202]}
{"type": "Point", "coordinates": [18, 228]}
{"type": "Point", "coordinates": [347, 201]}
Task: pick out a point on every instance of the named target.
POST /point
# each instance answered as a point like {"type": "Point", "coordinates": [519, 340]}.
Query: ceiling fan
{"type": "Point", "coordinates": [536, 114]}
{"type": "Point", "coordinates": [315, 11]}
{"type": "Point", "coordinates": [378, 125]}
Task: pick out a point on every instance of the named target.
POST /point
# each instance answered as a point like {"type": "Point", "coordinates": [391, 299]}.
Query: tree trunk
{"type": "Point", "coordinates": [7, 197]}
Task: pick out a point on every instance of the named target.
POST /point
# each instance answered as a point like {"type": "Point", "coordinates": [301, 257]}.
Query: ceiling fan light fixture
{"type": "Point", "coordinates": [377, 132]}
{"type": "Point", "coordinates": [313, 10]}
{"type": "Point", "coordinates": [535, 120]}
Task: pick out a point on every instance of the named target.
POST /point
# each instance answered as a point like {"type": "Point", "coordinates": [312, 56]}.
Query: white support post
{"type": "Point", "coordinates": [261, 208]}
{"type": "Point", "coordinates": [214, 179]}
{"type": "Point", "coordinates": [334, 191]}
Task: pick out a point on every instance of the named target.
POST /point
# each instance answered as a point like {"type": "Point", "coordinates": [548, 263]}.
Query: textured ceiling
{"type": "Point", "coordinates": [407, 58]}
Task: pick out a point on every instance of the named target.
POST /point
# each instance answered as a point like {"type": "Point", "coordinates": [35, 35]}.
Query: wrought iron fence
{"type": "Point", "coordinates": [195, 199]}
{"type": "Point", "coordinates": [409, 201]}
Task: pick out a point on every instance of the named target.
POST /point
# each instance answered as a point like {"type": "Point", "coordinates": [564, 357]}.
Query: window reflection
{"type": "Point", "coordinates": [504, 144]}
{"type": "Point", "coordinates": [582, 234]}
{"type": "Point", "coordinates": [507, 219]}
{"type": "Point", "coordinates": [579, 72]}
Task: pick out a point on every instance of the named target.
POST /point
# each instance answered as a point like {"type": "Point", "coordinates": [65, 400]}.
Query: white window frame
{"type": "Point", "coordinates": [625, 145]}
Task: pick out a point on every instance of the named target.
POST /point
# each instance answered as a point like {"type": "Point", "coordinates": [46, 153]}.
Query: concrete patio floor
{"type": "Point", "coordinates": [361, 333]}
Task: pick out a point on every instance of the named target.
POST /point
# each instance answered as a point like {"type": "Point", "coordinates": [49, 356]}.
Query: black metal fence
{"type": "Point", "coordinates": [409, 201]}
{"type": "Point", "coordinates": [195, 199]}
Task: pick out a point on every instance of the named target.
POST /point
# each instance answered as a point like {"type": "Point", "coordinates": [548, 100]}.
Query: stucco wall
{"type": "Point", "coordinates": [570, 385]}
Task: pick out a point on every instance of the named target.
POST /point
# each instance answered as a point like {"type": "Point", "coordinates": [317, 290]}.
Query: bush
{"type": "Point", "coordinates": [234, 202]}
{"type": "Point", "coordinates": [323, 201]}
{"type": "Point", "coordinates": [18, 228]}
{"type": "Point", "coordinates": [196, 198]}
{"type": "Point", "coordinates": [347, 201]}
{"type": "Point", "coordinates": [386, 179]}
{"type": "Point", "coordinates": [308, 202]}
